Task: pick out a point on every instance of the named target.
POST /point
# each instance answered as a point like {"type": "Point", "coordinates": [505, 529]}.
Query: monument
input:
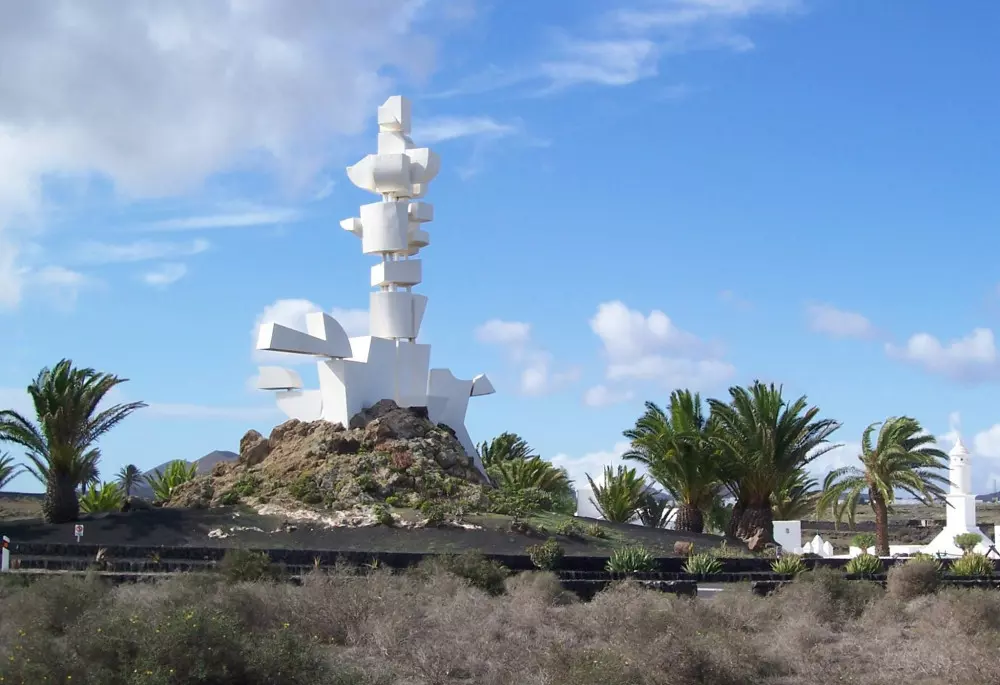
{"type": "Point", "coordinates": [388, 363]}
{"type": "Point", "coordinates": [960, 514]}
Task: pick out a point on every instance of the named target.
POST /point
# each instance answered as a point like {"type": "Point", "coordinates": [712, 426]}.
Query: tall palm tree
{"type": "Point", "coordinates": [620, 496]}
{"type": "Point", "coordinates": [8, 469]}
{"type": "Point", "coordinates": [676, 448]}
{"type": "Point", "coordinates": [795, 497]}
{"type": "Point", "coordinates": [504, 447]}
{"type": "Point", "coordinates": [761, 440]}
{"type": "Point", "coordinates": [128, 478]}
{"type": "Point", "coordinates": [903, 457]}
{"type": "Point", "coordinates": [61, 443]}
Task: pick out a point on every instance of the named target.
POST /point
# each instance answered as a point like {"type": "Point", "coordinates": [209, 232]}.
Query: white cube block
{"type": "Point", "coordinates": [394, 114]}
{"type": "Point", "coordinates": [421, 212]}
{"type": "Point", "coordinates": [405, 272]}
{"type": "Point", "coordinates": [385, 227]}
{"type": "Point", "coordinates": [391, 174]}
{"type": "Point", "coordinates": [396, 314]}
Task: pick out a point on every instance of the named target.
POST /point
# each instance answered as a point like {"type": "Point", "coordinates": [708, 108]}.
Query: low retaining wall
{"type": "Point", "coordinates": [306, 557]}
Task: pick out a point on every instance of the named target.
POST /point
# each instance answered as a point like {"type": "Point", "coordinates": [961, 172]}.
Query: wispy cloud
{"type": "Point", "coordinates": [138, 251]}
{"type": "Point", "coordinates": [601, 62]}
{"type": "Point", "coordinates": [442, 129]}
{"type": "Point", "coordinates": [261, 217]}
{"type": "Point", "coordinates": [165, 275]}
{"type": "Point", "coordinates": [625, 45]}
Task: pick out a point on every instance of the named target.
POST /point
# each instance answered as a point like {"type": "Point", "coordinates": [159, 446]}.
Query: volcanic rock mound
{"type": "Point", "coordinates": [388, 454]}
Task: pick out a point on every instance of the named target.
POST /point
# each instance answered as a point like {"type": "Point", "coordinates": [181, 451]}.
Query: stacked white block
{"type": "Point", "coordinates": [355, 373]}
{"type": "Point", "coordinates": [960, 514]}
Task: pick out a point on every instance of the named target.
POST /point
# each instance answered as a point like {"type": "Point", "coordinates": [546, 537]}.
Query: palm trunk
{"type": "Point", "coordinates": [61, 503]}
{"type": "Point", "coordinates": [881, 523]}
{"type": "Point", "coordinates": [755, 526]}
{"type": "Point", "coordinates": [732, 529]}
{"type": "Point", "coordinates": [689, 519]}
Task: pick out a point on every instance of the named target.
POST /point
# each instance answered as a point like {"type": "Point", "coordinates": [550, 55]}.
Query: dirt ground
{"type": "Point", "coordinates": [19, 506]}
{"type": "Point", "coordinates": [243, 527]}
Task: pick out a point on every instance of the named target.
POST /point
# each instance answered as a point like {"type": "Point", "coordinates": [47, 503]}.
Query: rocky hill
{"type": "Point", "coordinates": [387, 454]}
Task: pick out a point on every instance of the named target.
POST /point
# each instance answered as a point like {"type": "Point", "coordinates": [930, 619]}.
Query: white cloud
{"type": "Point", "coordinates": [197, 411]}
{"type": "Point", "coordinates": [987, 442]}
{"type": "Point", "coordinates": [534, 364]}
{"type": "Point", "coordinates": [61, 286]}
{"type": "Point", "coordinates": [602, 62]}
{"type": "Point", "coordinates": [498, 332]}
{"type": "Point", "coordinates": [138, 251]}
{"type": "Point", "coordinates": [838, 323]}
{"type": "Point", "coordinates": [603, 396]}
{"type": "Point", "coordinates": [292, 313]}
{"type": "Point", "coordinates": [260, 217]}
{"type": "Point", "coordinates": [652, 347]}
{"type": "Point", "coordinates": [166, 274]}
{"type": "Point", "coordinates": [197, 89]}
{"type": "Point", "coordinates": [441, 129]}
{"type": "Point", "coordinates": [593, 463]}
{"type": "Point", "coordinates": [971, 358]}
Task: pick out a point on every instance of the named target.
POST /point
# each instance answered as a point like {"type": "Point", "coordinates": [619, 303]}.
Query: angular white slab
{"type": "Point", "coordinates": [278, 378]}
{"type": "Point", "coordinates": [481, 386]}
{"type": "Point", "coordinates": [274, 337]}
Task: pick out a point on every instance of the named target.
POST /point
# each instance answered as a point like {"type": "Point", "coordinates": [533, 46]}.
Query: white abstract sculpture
{"type": "Point", "coordinates": [960, 514]}
{"type": "Point", "coordinates": [355, 373]}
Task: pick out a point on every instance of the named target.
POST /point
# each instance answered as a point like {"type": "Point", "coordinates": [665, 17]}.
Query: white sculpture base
{"type": "Point", "coordinates": [960, 519]}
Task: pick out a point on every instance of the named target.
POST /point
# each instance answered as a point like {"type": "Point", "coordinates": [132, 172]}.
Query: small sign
{"type": "Point", "coordinates": [78, 531]}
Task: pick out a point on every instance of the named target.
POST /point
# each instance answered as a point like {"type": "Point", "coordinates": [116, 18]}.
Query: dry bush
{"type": "Point", "coordinates": [431, 627]}
{"type": "Point", "coordinates": [913, 579]}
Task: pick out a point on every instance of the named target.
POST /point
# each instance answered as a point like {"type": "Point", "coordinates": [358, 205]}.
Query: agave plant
{"type": "Point", "coordinates": [8, 469]}
{"type": "Point", "coordinates": [61, 443]}
{"type": "Point", "coordinates": [620, 496]}
{"type": "Point", "coordinates": [106, 497]}
{"type": "Point", "coordinates": [175, 474]}
{"type": "Point", "coordinates": [636, 559]}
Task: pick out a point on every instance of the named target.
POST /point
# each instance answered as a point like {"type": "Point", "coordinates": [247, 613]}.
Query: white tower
{"type": "Point", "coordinates": [960, 514]}
{"type": "Point", "coordinates": [388, 363]}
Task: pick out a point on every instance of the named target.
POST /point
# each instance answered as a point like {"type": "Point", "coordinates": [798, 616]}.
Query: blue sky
{"type": "Point", "coordinates": [635, 196]}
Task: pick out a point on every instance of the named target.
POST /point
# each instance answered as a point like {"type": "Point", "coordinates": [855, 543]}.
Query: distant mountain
{"type": "Point", "coordinates": [204, 465]}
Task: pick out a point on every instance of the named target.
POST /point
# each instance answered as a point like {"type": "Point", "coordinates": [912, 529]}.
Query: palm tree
{"type": "Point", "coordinates": [620, 496]}
{"type": "Point", "coordinates": [903, 457]}
{"type": "Point", "coordinates": [89, 476]}
{"type": "Point", "coordinates": [504, 447]}
{"type": "Point", "coordinates": [61, 443]}
{"type": "Point", "coordinates": [675, 447]}
{"type": "Point", "coordinates": [8, 469]}
{"type": "Point", "coordinates": [795, 497]}
{"type": "Point", "coordinates": [521, 474]}
{"type": "Point", "coordinates": [128, 478]}
{"type": "Point", "coordinates": [762, 439]}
